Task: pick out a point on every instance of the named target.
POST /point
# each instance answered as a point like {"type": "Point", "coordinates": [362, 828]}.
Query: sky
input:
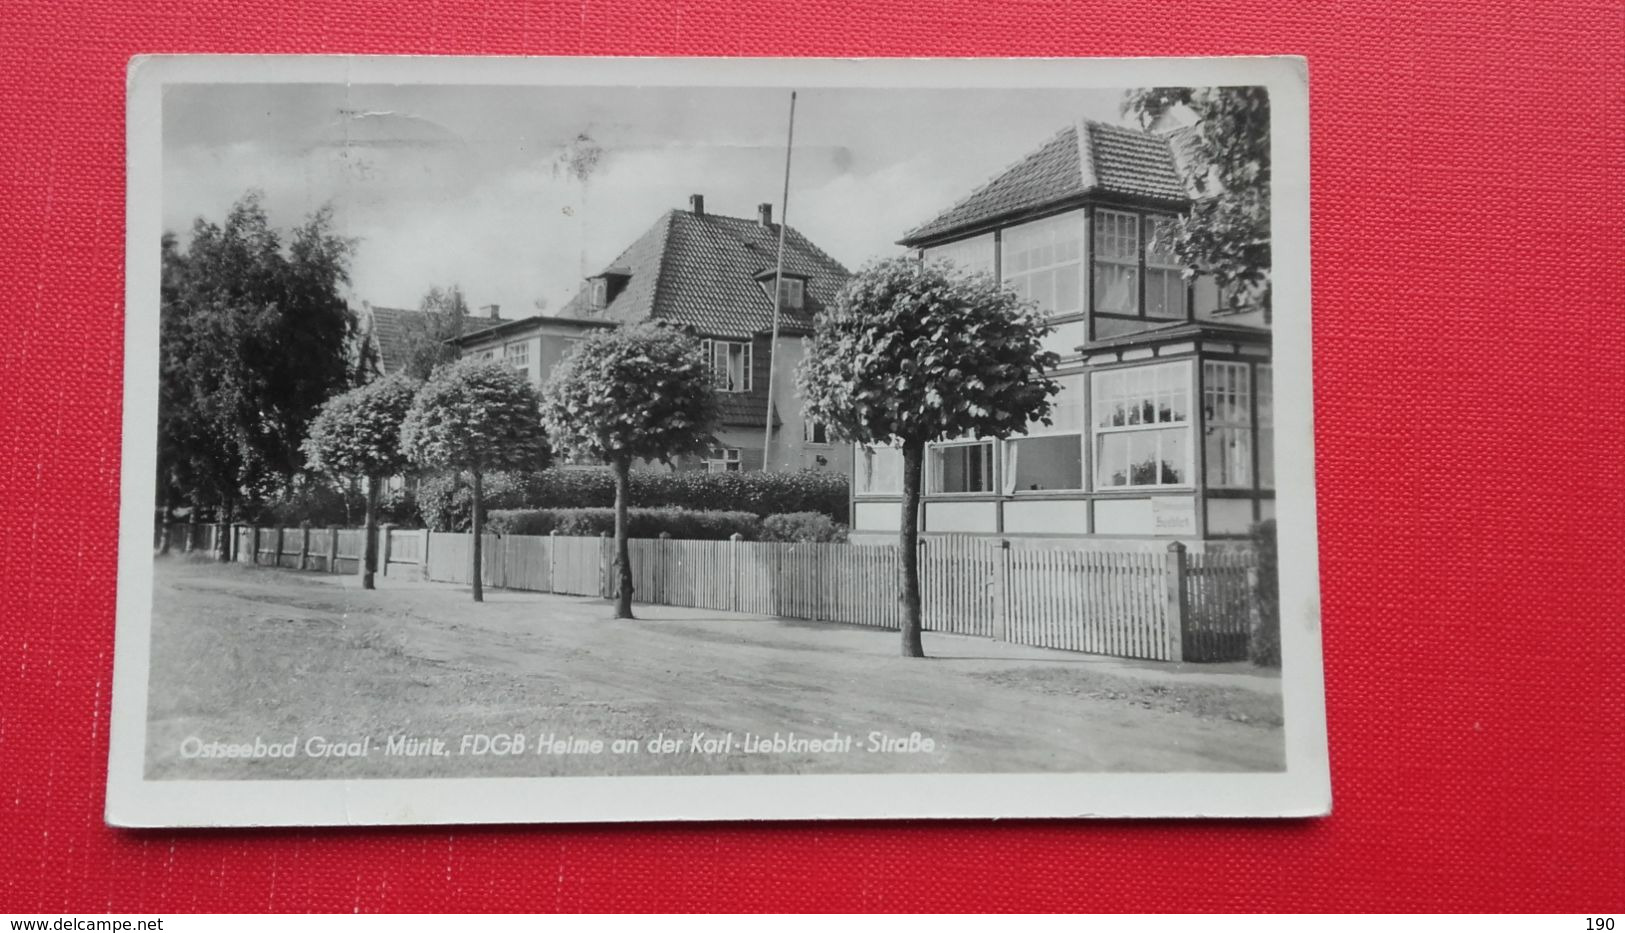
{"type": "Point", "coordinates": [518, 193]}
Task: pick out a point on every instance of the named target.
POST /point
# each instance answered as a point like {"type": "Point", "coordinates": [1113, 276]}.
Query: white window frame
{"type": "Point", "coordinates": [973, 255]}
{"type": "Point", "coordinates": [1264, 406]}
{"type": "Point", "coordinates": [1078, 428]}
{"type": "Point", "coordinates": [1183, 384]}
{"type": "Point", "coordinates": [809, 427]}
{"type": "Point", "coordinates": [864, 467]}
{"type": "Point", "coordinates": [723, 460]}
{"type": "Point", "coordinates": [989, 468]}
{"type": "Point", "coordinates": [711, 348]}
{"type": "Point", "coordinates": [1042, 234]}
{"type": "Point", "coordinates": [518, 360]}
{"type": "Point", "coordinates": [1132, 262]}
{"type": "Point", "coordinates": [1166, 263]}
{"type": "Point", "coordinates": [1227, 411]}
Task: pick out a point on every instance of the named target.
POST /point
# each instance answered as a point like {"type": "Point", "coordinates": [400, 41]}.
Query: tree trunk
{"type": "Point", "coordinates": [623, 554]}
{"type": "Point", "coordinates": [169, 514]}
{"type": "Point", "coordinates": [908, 542]}
{"type": "Point", "coordinates": [369, 547]}
{"type": "Point", "coordinates": [477, 526]}
{"type": "Point", "coordinates": [228, 533]}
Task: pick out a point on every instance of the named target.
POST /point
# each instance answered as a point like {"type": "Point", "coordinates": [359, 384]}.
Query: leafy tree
{"type": "Point", "coordinates": [252, 339]}
{"type": "Point", "coordinates": [914, 353]}
{"type": "Point", "coordinates": [357, 435]}
{"type": "Point", "coordinates": [475, 416]}
{"type": "Point", "coordinates": [636, 393]}
{"type": "Point", "coordinates": [1227, 168]}
{"type": "Point", "coordinates": [444, 318]}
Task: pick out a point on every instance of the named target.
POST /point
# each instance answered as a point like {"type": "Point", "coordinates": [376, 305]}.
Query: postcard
{"type": "Point", "coordinates": [532, 440]}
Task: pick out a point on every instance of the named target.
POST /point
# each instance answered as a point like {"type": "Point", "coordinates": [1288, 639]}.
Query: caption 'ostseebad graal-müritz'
{"type": "Point", "coordinates": [519, 743]}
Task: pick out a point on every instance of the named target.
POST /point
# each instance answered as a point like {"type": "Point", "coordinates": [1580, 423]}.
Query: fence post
{"type": "Point", "coordinates": [552, 560]}
{"type": "Point", "coordinates": [332, 549]}
{"type": "Point", "coordinates": [304, 545]}
{"type": "Point", "coordinates": [1178, 598]}
{"type": "Point", "coordinates": [733, 569]}
{"type": "Point", "coordinates": [605, 590]}
{"type": "Point", "coordinates": [276, 559]}
{"type": "Point", "coordinates": [423, 555]}
{"type": "Point", "coordinates": [383, 550]}
{"type": "Point", "coordinates": [226, 541]}
{"type": "Point", "coordinates": [254, 544]}
{"type": "Point", "coordinates": [1001, 591]}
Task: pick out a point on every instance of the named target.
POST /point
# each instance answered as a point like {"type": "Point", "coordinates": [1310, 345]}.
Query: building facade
{"type": "Point", "coordinates": [714, 275]}
{"type": "Point", "coordinates": [1163, 427]}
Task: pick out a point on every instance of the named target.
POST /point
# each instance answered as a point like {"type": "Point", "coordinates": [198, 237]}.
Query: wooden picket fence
{"type": "Point", "coordinates": [1167, 604]}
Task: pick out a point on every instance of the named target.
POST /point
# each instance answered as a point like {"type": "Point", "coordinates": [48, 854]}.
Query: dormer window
{"type": "Point", "coordinates": [792, 289]}
{"type": "Point", "coordinates": [600, 293]}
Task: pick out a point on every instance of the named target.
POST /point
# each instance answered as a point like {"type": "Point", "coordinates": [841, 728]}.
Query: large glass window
{"type": "Point", "coordinates": [729, 362]}
{"type": "Point", "coordinates": [517, 355]}
{"type": "Point", "coordinates": [970, 255]}
{"type": "Point", "coordinates": [792, 290]}
{"type": "Point", "coordinates": [1165, 290]}
{"type": "Point", "coordinates": [880, 470]}
{"type": "Point", "coordinates": [1117, 262]}
{"type": "Point", "coordinates": [955, 468]}
{"type": "Point", "coordinates": [1050, 456]}
{"type": "Point", "coordinates": [1266, 426]}
{"type": "Point", "coordinates": [1043, 262]}
{"type": "Point", "coordinates": [1227, 407]}
{"type": "Point", "coordinates": [1142, 426]}
{"type": "Point", "coordinates": [722, 460]}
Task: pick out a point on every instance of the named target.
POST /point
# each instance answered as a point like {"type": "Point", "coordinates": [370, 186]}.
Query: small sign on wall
{"type": "Point", "coordinates": [1173, 515]}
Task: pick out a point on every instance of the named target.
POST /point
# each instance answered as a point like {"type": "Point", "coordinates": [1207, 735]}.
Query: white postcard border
{"type": "Point", "coordinates": [1302, 789]}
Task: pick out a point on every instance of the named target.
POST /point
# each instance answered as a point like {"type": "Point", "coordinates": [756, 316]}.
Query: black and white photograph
{"type": "Point", "coordinates": [539, 440]}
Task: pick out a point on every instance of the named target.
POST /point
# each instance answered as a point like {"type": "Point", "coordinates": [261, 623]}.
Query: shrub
{"type": "Point", "coordinates": [445, 508]}
{"type": "Point", "coordinates": [803, 527]}
{"type": "Point", "coordinates": [1264, 642]}
{"type": "Point", "coordinates": [446, 501]}
{"type": "Point", "coordinates": [641, 523]}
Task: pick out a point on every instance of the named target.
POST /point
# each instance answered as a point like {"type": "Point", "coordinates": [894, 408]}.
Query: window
{"type": "Point", "coordinates": [880, 470]}
{"type": "Point", "coordinates": [957, 468]}
{"type": "Point", "coordinates": [1227, 409]}
{"type": "Point", "coordinates": [1117, 262]}
{"type": "Point", "coordinates": [600, 293]}
{"type": "Point", "coordinates": [1043, 262]}
{"type": "Point", "coordinates": [971, 256]}
{"type": "Point", "coordinates": [488, 354]}
{"type": "Point", "coordinates": [722, 460]}
{"type": "Point", "coordinates": [517, 355]}
{"type": "Point", "coordinates": [1050, 456]}
{"type": "Point", "coordinates": [814, 432]}
{"type": "Point", "coordinates": [1142, 426]}
{"type": "Point", "coordinates": [1164, 276]}
{"type": "Point", "coordinates": [1266, 426]}
{"type": "Point", "coordinates": [792, 289]}
{"type": "Point", "coordinates": [729, 362]}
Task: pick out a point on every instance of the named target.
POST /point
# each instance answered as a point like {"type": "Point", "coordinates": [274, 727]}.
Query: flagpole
{"type": "Point", "coordinates": [778, 286]}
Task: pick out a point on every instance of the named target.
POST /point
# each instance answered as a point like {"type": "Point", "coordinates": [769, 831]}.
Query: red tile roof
{"type": "Point", "coordinates": [700, 270]}
{"type": "Point", "coordinates": [1111, 160]}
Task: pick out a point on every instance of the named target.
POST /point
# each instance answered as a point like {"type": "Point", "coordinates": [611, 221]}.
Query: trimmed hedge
{"type": "Point", "coordinates": [1264, 643]}
{"type": "Point", "coordinates": [445, 500]}
{"type": "Point", "coordinates": [641, 523]}
{"type": "Point", "coordinates": [803, 527]}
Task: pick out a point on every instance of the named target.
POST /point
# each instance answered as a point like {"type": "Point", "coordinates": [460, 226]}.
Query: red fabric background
{"type": "Point", "coordinates": [1470, 354]}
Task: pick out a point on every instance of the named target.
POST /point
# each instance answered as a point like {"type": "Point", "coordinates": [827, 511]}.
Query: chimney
{"type": "Point", "coordinates": [764, 214]}
{"type": "Point", "coordinates": [490, 311]}
{"type": "Point", "coordinates": [696, 204]}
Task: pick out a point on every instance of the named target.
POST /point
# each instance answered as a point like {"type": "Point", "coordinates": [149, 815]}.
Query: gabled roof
{"type": "Point", "coordinates": [1086, 158]}
{"type": "Point", "coordinates": [699, 270]}
{"type": "Point", "coordinates": [390, 330]}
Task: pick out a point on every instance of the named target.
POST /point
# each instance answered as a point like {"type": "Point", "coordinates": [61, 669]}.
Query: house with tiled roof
{"type": "Point", "coordinates": [385, 336]}
{"type": "Point", "coordinates": [714, 275]}
{"type": "Point", "coordinates": [1163, 427]}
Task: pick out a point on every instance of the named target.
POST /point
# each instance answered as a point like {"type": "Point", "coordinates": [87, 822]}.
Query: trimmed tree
{"type": "Point", "coordinates": [357, 435]}
{"type": "Point", "coordinates": [637, 393]}
{"type": "Point", "coordinates": [914, 353]}
{"type": "Point", "coordinates": [475, 416]}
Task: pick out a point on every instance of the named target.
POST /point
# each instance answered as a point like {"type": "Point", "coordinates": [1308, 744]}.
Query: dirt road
{"type": "Point", "coordinates": [262, 673]}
